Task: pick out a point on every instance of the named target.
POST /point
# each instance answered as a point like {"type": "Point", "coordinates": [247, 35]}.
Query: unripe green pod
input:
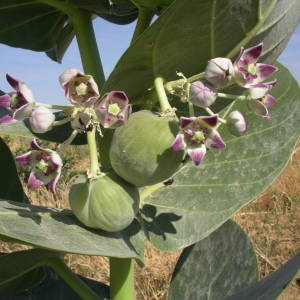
{"type": "Point", "coordinates": [107, 202]}
{"type": "Point", "coordinates": [140, 151]}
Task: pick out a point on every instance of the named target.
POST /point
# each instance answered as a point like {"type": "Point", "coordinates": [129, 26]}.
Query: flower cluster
{"type": "Point", "coordinates": [197, 134]}
{"type": "Point", "coordinates": [88, 109]}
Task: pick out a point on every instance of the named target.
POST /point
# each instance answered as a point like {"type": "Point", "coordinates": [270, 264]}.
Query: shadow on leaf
{"type": "Point", "coordinates": [159, 224]}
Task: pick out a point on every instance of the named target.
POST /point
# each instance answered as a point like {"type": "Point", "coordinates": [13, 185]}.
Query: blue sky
{"type": "Point", "coordinates": [41, 74]}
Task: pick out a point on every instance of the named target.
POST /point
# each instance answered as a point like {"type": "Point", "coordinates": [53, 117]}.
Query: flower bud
{"type": "Point", "coordinates": [237, 123]}
{"type": "Point", "coordinates": [202, 94]}
{"type": "Point", "coordinates": [219, 72]}
{"type": "Point", "coordinates": [41, 120]}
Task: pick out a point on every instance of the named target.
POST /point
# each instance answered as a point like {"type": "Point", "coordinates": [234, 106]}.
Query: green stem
{"type": "Point", "coordinates": [196, 77]}
{"type": "Point", "coordinates": [86, 40]}
{"type": "Point", "coordinates": [231, 96]}
{"type": "Point", "coordinates": [144, 19]}
{"type": "Point", "coordinates": [92, 147]}
{"type": "Point", "coordinates": [121, 279]}
{"type": "Point", "coordinates": [161, 93]}
{"type": "Point", "coordinates": [71, 279]}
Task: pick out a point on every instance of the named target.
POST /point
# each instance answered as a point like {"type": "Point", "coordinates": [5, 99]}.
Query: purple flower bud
{"type": "Point", "coordinates": [112, 109]}
{"type": "Point", "coordinates": [246, 69]}
{"type": "Point", "coordinates": [219, 72]}
{"type": "Point", "coordinates": [82, 122]}
{"type": "Point", "coordinates": [79, 88]}
{"type": "Point", "coordinates": [202, 94]}
{"type": "Point", "coordinates": [41, 120]}
{"type": "Point", "coordinates": [18, 103]}
{"type": "Point", "coordinates": [237, 123]}
{"type": "Point", "coordinates": [196, 136]}
{"type": "Point", "coordinates": [46, 166]}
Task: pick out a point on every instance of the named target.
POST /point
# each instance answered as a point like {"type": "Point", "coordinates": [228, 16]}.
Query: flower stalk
{"type": "Point", "coordinates": [121, 279]}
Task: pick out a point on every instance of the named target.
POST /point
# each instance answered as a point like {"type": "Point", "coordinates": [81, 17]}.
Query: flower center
{"type": "Point", "coordinates": [81, 89]}
{"type": "Point", "coordinates": [113, 109]}
{"type": "Point", "coordinates": [42, 166]}
{"type": "Point", "coordinates": [198, 136]}
{"type": "Point", "coordinates": [251, 69]}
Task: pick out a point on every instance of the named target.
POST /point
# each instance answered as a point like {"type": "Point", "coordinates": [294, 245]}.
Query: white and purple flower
{"type": "Point", "coordinates": [112, 109]}
{"type": "Point", "coordinates": [197, 134]}
{"type": "Point", "coordinates": [19, 103]}
{"type": "Point", "coordinates": [247, 71]}
{"type": "Point", "coordinates": [259, 100]}
{"type": "Point", "coordinates": [80, 89]}
{"type": "Point", "coordinates": [46, 166]}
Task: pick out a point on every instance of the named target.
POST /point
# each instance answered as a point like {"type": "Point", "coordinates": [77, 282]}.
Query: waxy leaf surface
{"type": "Point", "coordinates": [200, 199]}
{"type": "Point", "coordinates": [272, 286]}
{"type": "Point", "coordinates": [190, 32]}
{"type": "Point", "coordinates": [218, 266]}
{"type": "Point", "coordinates": [47, 228]}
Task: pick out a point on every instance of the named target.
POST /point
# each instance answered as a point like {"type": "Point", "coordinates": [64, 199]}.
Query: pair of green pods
{"type": "Point", "coordinates": [140, 155]}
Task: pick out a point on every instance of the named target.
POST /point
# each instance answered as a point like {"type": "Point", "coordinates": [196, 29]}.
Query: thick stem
{"type": "Point", "coordinates": [71, 279]}
{"type": "Point", "coordinates": [121, 279]}
{"type": "Point", "coordinates": [161, 93]}
{"type": "Point", "coordinates": [144, 19]}
{"type": "Point", "coordinates": [90, 57]}
{"type": "Point", "coordinates": [92, 146]}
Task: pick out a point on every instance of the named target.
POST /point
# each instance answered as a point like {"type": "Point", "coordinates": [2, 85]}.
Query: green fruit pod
{"type": "Point", "coordinates": [140, 151]}
{"type": "Point", "coordinates": [107, 202]}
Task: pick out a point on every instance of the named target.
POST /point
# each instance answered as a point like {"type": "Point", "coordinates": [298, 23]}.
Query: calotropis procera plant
{"type": "Point", "coordinates": [194, 122]}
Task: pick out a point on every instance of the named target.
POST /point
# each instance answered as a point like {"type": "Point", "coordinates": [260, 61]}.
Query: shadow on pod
{"type": "Point", "coordinates": [140, 150]}
{"type": "Point", "coordinates": [107, 202]}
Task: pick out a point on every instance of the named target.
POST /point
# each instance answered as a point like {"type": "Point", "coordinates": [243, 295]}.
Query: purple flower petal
{"type": "Point", "coordinates": [252, 54]}
{"type": "Point", "coordinates": [7, 119]}
{"type": "Point", "coordinates": [179, 143]}
{"type": "Point", "coordinates": [215, 140]}
{"type": "Point", "coordinates": [269, 100]}
{"type": "Point", "coordinates": [197, 154]}
{"type": "Point", "coordinates": [5, 101]}
{"type": "Point", "coordinates": [33, 181]}
{"type": "Point", "coordinates": [211, 121]}
{"type": "Point", "coordinates": [264, 71]}
{"type": "Point", "coordinates": [184, 121]}
{"type": "Point", "coordinates": [24, 159]}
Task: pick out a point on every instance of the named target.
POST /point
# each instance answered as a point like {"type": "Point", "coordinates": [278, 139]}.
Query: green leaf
{"type": "Point", "coordinates": [57, 134]}
{"type": "Point", "coordinates": [29, 24]}
{"type": "Point", "coordinates": [272, 286]}
{"type": "Point", "coordinates": [53, 287]}
{"type": "Point", "coordinates": [218, 266]}
{"type": "Point", "coordinates": [201, 199]}
{"type": "Point", "coordinates": [10, 185]}
{"type": "Point", "coordinates": [23, 275]}
{"type": "Point", "coordinates": [190, 32]}
{"type": "Point", "coordinates": [16, 264]}
{"type": "Point", "coordinates": [47, 227]}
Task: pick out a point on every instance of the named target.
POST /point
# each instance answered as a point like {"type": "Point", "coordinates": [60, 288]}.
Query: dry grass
{"type": "Point", "coordinates": [272, 222]}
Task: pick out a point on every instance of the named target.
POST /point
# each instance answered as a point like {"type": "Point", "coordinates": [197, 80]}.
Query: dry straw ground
{"type": "Point", "coordinates": [271, 220]}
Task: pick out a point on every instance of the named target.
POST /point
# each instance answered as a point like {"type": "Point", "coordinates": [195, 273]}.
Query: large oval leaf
{"type": "Point", "coordinates": [190, 32]}
{"type": "Point", "coordinates": [10, 185]}
{"type": "Point", "coordinates": [59, 230]}
{"type": "Point", "coordinates": [216, 267]}
{"type": "Point", "coordinates": [272, 286]}
{"type": "Point", "coordinates": [201, 199]}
